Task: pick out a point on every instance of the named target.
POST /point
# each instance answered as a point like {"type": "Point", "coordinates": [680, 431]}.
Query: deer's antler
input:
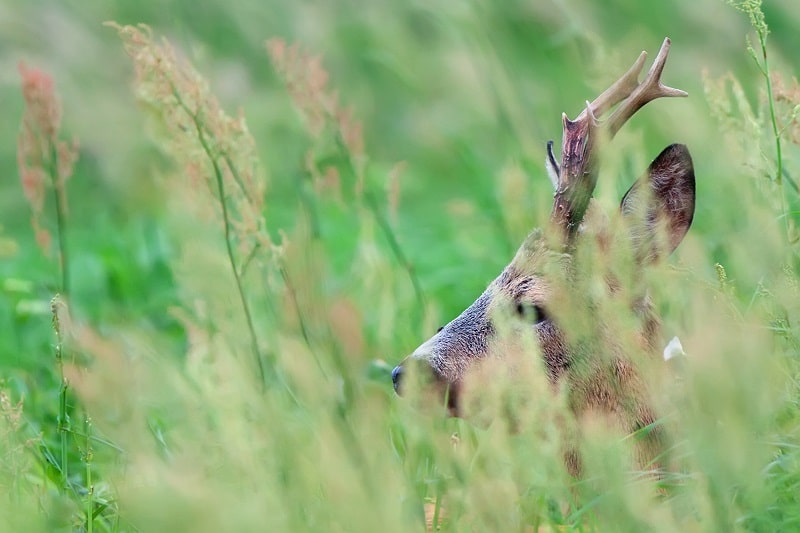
{"type": "Point", "coordinates": [577, 173]}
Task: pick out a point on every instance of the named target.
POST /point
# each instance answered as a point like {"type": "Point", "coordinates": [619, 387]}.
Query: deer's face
{"type": "Point", "coordinates": [528, 296]}
{"type": "Point", "coordinates": [517, 301]}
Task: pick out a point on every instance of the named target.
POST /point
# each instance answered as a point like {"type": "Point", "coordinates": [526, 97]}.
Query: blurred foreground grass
{"type": "Point", "coordinates": [168, 428]}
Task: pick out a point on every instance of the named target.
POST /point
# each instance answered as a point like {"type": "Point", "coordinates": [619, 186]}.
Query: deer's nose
{"type": "Point", "coordinates": [397, 375]}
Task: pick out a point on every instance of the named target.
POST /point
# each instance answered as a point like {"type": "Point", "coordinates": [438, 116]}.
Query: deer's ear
{"type": "Point", "coordinates": [659, 207]}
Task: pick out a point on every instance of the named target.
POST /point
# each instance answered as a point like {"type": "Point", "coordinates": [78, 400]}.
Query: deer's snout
{"type": "Point", "coordinates": [432, 382]}
{"type": "Point", "coordinates": [420, 357]}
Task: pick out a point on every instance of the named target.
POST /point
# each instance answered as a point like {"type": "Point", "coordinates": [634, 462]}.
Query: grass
{"type": "Point", "coordinates": [320, 208]}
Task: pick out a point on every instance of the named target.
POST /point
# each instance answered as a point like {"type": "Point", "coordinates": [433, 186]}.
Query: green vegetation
{"type": "Point", "coordinates": [222, 242]}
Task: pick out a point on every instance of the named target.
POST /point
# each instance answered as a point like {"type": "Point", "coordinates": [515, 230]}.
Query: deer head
{"type": "Point", "coordinates": [658, 209]}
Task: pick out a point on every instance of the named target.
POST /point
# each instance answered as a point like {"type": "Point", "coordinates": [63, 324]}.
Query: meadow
{"type": "Point", "coordinates": [221, 230]}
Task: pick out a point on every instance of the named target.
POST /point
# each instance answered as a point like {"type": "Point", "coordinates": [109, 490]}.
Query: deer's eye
{"type": "Point", "coordinates": [530, 312]}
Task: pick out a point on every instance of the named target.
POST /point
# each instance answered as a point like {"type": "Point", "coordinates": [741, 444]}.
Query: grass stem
{"type": "Point", "coordinates": [762, 39]}
{"type": "Point", "coordinates": [59, 197]}
{"type": "Point", "coordinates": [228, 231]}
{"type": "Point", "coordinates": [87, 458]}
{"type": "Point", "coordinates": [63, 421]}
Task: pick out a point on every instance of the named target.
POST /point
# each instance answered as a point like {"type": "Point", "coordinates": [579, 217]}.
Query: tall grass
{"type": "Point", "coordinates": [272, 409]}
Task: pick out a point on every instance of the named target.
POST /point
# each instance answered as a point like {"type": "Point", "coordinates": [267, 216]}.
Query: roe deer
{"type": "Point", "coordinates": [599, 376]}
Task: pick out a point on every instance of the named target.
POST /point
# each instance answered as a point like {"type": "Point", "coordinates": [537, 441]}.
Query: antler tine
{"type": "Point", "coordinates": [650, 89]}
{"type": "Point", "coordinates": [618, 91]}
